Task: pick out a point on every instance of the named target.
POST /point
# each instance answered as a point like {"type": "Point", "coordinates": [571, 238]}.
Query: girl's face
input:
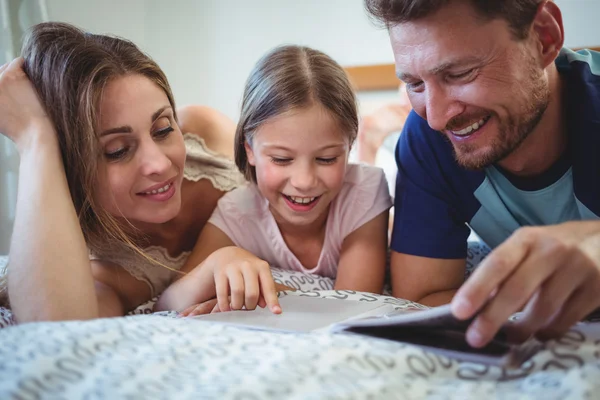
{"type": "Point", "coordinates": [142, 166]}
{"type": "Point", "coordinates": [300, 159]}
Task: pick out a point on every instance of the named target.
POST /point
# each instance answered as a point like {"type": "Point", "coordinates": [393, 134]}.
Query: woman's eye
{"type": "Point", "coordinates": [327, 160]}
{"type": "Point", "coordinates": [163, 133]}
{"type": "Point", "coordinates": [117, 154]}
{"type": "Point", "coordinates": [280, 161]}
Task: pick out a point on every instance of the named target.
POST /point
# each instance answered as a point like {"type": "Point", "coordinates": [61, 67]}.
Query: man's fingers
{"type": "Point", "coordinates": [490, 274]}
{"type": "Point", "coordinates": [518, 290]}
{"type": "Point", "coordinates": [268, 290]}
{"type": "Point", "coordinates": [548, 301]}
{"type": "Point", "coordinates": [581, 303]}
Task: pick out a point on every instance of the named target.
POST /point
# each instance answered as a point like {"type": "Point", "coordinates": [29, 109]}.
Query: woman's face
{"type": "Point", "coordinates": [141, 170]}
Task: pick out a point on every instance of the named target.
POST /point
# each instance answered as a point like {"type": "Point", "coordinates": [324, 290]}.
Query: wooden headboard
{"type": "Point", "coordinates": [382, 76]}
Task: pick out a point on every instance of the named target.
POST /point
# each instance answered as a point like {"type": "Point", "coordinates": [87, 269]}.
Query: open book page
{"type": "Point", "coordinates": [434, 329]}
{"type": "Point", "coordinates": [300, 314]}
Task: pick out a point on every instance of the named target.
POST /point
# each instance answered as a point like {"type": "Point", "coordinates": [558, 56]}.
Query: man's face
{"type": "Point", "coordinates": [472, 81]}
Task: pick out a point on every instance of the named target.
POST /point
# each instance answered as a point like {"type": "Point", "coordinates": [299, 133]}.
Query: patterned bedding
{"type": "Point", "coordinates": [159, 356]}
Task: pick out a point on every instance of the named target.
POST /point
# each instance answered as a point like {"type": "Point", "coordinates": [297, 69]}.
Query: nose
{"type": "Point", "coordinates": [154, 160]}
{"type": "Point", "coordinates": [440, 107]}
{"type": "Point", "coordinates": [304, 177]}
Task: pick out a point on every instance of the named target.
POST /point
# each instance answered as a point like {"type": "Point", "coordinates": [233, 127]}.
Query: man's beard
{"type": "Point", "coordinates": [512, 131]}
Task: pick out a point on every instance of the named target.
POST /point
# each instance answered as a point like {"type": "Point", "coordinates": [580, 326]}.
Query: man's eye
{"type": "Point", "coordinates": [461, 75]}
{"type": "Point", "coordinates": [413, 86]}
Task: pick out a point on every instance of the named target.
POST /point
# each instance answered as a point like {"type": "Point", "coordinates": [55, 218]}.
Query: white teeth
{"type": "Point", "coordinates": [470, 128]}
{"type": "Point", "coordinates": [161, 190]}
{"type": "Point", "coordinates": [302, 200]}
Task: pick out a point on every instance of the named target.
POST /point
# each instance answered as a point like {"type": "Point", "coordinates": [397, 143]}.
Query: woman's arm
{"type": "Point", "coordinates": [49, 275]}
{"type": "Point", "coordinates": [363, 257]}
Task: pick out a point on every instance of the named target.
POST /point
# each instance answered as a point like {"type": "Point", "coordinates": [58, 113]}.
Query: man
{"type": "Point", "coordinates": [504, 139]}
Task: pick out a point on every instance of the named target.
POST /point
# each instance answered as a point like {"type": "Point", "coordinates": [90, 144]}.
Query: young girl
{"type": "Point", "coordinates": [306, 208]}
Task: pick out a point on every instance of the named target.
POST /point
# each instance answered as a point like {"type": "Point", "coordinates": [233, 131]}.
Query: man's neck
{"type": "Point", "coordinates": [545, 145]}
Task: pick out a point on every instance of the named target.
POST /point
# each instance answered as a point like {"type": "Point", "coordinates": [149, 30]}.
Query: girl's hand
{"type": "Point", "coordinates": [21, 112]}
{"type": "Point", "coordinates": [248, 281]}
{"type": "Point", "coordinates": [211, 306]}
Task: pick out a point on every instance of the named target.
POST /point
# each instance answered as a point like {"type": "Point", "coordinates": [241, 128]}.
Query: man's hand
{"type": "Point", "coordinates": [552, 273]}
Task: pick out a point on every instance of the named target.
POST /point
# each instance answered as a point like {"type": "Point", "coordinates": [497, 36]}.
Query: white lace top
{"type": "Point", "coordinates": [201, 163]}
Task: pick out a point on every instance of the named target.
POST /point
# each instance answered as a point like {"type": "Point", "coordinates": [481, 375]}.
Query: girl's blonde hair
{"type": "Point", "coordinates": [70, 68]}
{"type": "Point", "coordinates": [288, 78]}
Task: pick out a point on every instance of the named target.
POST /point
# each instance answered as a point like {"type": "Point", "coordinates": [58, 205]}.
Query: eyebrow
{"type": "Point", "coordinates": [439, 69]}
{"type": "Point", "coordinates": [280, 147]}
{"type": "Point", "coordinates": [128, 128]}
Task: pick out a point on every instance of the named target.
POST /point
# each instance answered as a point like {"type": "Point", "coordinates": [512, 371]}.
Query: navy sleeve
{"type": "Point", "coordinates": [428, 219]}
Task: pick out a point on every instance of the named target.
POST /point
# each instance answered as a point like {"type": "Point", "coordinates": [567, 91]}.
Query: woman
{"type": "Point", "coordinates": [108, 206]}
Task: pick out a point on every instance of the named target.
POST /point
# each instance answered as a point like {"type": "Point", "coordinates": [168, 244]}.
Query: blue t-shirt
{"type": "Point", "coordinates": [437, 200]}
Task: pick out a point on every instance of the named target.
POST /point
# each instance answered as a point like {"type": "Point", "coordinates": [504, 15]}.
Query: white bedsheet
{"type": "Point", "coordinates": [150, 356]}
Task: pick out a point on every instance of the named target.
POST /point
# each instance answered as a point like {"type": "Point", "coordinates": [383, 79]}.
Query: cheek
{"type": "Point", "coordinates": [112, 188]}
{"type": "Point", "coordinates": [267, 174]}
{"type": "Point", "coordinates": [176, 152]}
{"type": "Point", "coordinates": [335, 177]}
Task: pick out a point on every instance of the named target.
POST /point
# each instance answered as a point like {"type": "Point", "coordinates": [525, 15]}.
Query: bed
{"type": "Point", "coordinates": [161, 356]}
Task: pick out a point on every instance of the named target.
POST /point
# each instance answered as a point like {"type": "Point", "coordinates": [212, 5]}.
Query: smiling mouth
{"type": "Point", "coordinates": [469, 130]}
{"type": "Point", "coordinates": [157, 191]}
{"type": "Point", "coordinates": [304, 201]}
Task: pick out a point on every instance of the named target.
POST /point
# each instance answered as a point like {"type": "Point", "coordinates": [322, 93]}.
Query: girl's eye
{"type": "Point", "coordinates": [327, 160]}
{"type": "Point", "coordinates": [280, 161]}
{"type": "Point", "coordinates": [163, 133]}
{"type": "Point", "coordinates": [117, 154]}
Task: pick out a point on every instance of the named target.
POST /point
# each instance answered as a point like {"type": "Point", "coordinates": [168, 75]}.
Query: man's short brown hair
{"type": "Point", "coordinates": [518, 13]}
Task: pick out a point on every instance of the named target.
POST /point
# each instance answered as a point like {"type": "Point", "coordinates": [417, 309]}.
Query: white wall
{"type": "Point", "coordinates": [207, 47]}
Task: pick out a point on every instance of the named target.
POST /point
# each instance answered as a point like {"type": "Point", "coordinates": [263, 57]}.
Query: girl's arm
{"type": "Point", "coordinates": [218, 268]}
{"type": "Point", "coordinates": [363, 257]}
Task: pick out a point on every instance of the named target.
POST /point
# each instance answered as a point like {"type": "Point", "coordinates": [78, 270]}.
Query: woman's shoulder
{"type": "Point", "coordinates": [212, 126]}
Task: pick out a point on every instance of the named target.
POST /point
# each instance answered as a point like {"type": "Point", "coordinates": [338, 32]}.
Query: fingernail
{"type": "Point", "coordinates": [276, 309]}
{"type": "Point", "coordinates": [461, 308]}
{"type": "Point", "coordinates": [474, 338]}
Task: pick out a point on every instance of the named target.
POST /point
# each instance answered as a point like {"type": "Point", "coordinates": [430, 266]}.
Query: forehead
{"type": "Point", "coordinates": [129, 99]}
{"type": "Point", "coordinates": [455, 32]}
{"type": "Point", "coordinates": [309, 126]}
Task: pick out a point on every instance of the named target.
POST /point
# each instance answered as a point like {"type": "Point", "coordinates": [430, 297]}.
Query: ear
{"type": "Point", "coordinates": [250, 154]}
{"type": "Point", "coordinates": [549, 31]}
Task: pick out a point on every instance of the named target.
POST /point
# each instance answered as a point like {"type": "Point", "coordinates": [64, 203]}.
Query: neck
{"type": "Point", "coordinates": [548, 141]}
{"type": "Point", "coordinates": [314, 229]}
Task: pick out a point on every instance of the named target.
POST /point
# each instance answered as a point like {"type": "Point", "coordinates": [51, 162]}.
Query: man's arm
{"type": "Point", "coordinates": [428, 281]}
